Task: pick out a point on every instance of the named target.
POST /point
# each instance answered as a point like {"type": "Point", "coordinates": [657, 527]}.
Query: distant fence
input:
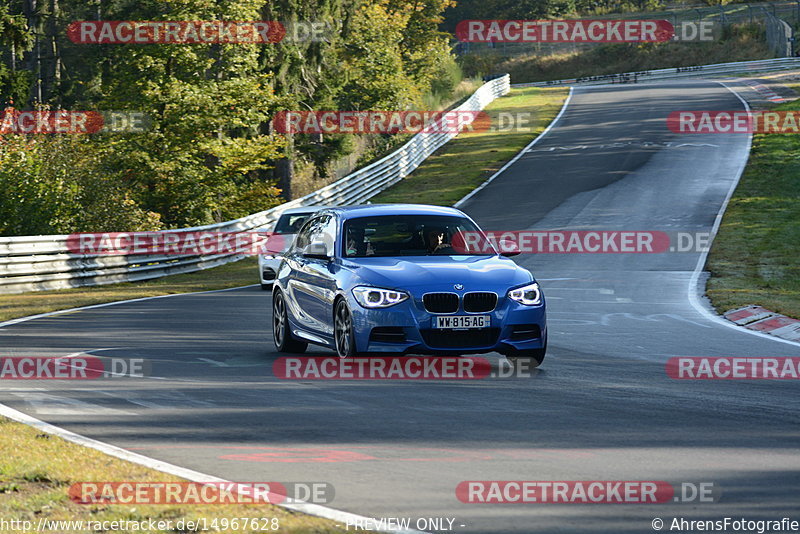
{"type": "Point", "coordinates": [740, 67]}
{"type": "Point", "coordinates": [34, 263]}
{"type": "Point", "coordinates": [780, 36]}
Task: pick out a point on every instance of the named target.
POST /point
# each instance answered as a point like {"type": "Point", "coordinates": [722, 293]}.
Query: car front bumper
{"type": "Point", "coordinates": [268, 268]}
{"type": "Point", "coordinates": [409, 328]}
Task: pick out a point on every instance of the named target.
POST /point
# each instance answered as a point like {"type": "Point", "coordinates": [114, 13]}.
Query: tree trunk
{"type": "Point", "coordinates": [284, 168]}
{"type": "Point", "coordinates": [35, 57]}
{"type": "Point", "coordinates": [54, 73]}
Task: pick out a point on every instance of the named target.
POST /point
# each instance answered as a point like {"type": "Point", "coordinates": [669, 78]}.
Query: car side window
{"type": "Point", "coordinates": [328, 234]}
{"type": "Point", "coordinates": [319, 229]}
{"type": "Point", "coordinates": [304, 236]}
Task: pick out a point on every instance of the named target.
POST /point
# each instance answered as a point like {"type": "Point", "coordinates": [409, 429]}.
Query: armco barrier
{"type": "Point", "coordinates": [741, 67]}
{"type": "Point", "coordinates": [33, 263]}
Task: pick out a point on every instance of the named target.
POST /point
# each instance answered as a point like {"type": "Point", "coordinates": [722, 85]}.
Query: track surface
{"type": "Point", "coordinates": [601, 408]}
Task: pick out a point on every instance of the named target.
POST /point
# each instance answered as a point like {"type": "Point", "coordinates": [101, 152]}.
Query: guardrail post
{"type": "Point", "coordinates": [403, 172]}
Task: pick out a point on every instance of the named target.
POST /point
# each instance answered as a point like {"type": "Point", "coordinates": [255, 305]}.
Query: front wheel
{"type": "Point", "coordinates": [343, 333]}
{"type": "Point", "coordinates": [528, 358]}
{"type": "Point", "coordinates": [281, 333]}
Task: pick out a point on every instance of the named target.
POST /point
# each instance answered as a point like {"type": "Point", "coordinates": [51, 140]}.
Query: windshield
{"type": "Point", "coordinates": [290, 223]}
{"type": "Point", "coordinates": [413, 235]}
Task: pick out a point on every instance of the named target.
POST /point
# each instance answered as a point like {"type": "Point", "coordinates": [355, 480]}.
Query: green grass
{"type": "Point", "coordinates": [236, 274]}
{"type": "Point", "coordinates": [755, 258]}
{"type": "Point", "coordinates": [468, 160]}
{"type": "Point", "coordinates": [36, 471]}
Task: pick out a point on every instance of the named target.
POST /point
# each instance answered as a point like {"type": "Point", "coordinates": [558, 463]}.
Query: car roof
{"type": "Point", "coordinates": [303, 209]}
{"type": "Point", "coordinates": [369, 210]}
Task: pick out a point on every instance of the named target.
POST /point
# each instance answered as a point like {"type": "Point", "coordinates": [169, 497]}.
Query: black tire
{"type": "Point", "coordinates": [266, 287]}
{"type": "Point", "coordinates": [343, 335]}
{"type": "Point", "coordinates": [529, 359]}
{"type": "Point", "coordinates": [281, 334]}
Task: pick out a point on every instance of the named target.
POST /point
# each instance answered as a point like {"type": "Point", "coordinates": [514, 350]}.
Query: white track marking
{"type": "Point", "coordinates": [215, 363]}
{"type": "Point", "coordinates": [519, 154]}
{"type": "Point", "coordinates": [695, 292]}
{"type": "Point", "coordinates": [49, 404]}
{"type": "Point", "coordinates": [105, 304]}
{"type": "Point", "coordinates": [158, 465]}
{"type": "Point", "coordinates": [188, 474]}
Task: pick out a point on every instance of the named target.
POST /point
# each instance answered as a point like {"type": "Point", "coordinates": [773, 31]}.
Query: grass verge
{"type": "Point", "coordinates": [36, 471]}
{"type": "Point", "coordinates": [754, 258]}
{"type": "Point", "coordinates": [240, 273]}
{"type": "Point", "coordinates": [468, 160]}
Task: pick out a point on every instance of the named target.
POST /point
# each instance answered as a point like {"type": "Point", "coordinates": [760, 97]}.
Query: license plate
{"type": "Point", "coordinates": [462, 321]}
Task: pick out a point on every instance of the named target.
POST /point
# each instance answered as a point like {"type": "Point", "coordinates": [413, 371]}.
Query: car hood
{"type": "Point", "coordinates": [433, 273]}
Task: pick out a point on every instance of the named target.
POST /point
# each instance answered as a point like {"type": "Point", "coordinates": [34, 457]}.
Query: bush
{"type": "Point", "coordinates": [54, 185]}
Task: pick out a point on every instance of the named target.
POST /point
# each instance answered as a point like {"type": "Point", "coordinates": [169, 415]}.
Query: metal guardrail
{"type": "Point", "coordinates": [35, 263]}
{"type": "Point", "coordinates": [763, 65]}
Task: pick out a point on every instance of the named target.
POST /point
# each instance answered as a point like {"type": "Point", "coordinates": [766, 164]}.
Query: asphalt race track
{"type": "Point", "coordinates": [600, 408]}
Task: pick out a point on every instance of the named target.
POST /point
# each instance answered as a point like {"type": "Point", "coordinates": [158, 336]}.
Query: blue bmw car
{"type": "Point", "coordinates": [405, 278]}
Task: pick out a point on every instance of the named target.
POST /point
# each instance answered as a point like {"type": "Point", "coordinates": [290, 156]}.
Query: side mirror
{"type": "Point", "coordinates": [509, 248]}
{"type": "Point", "coordinates": [274, 244]}
{"type": "Point", "coordinates": [317, 251]}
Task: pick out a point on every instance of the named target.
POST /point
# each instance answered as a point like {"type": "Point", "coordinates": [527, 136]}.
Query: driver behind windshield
{"type": "Point", "coordinates": [357, 244]}
{"type": "Point", "coordinates": [434, 241]}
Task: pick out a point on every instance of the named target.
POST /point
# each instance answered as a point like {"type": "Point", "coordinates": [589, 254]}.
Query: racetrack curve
{"type": "Point", "coordinates": [600, 408]}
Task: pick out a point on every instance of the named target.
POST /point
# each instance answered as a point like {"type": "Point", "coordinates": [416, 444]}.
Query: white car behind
{"type": "Point", "coordinates": [287, 226]}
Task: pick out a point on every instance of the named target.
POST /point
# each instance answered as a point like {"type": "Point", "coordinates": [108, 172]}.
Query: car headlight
{"type": "Point", "coordinates": [529, 295]}
{"type": "Point", "coordinates": [268, 256]}
{"type": "Point", "coordinates": [376, 297]}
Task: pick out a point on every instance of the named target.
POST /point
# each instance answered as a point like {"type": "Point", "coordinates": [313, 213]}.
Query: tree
{"type": "Point", "coordinates": [374, 74]}
{"type": "Point", "coordinates": [15, 34]}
